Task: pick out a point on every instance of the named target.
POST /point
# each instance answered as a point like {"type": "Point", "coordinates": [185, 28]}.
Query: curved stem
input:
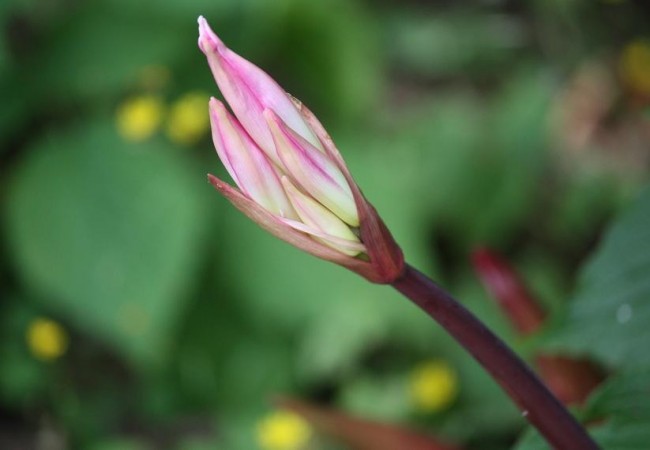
{"type": "Point", "coordinates": [537, 403]}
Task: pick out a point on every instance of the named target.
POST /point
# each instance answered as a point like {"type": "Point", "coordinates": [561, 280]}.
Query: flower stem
{"type": "Point", "coordinates": [537, 403]}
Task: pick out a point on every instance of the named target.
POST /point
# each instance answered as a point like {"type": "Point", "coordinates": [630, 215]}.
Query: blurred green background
{"type": "Point", "coordinates": [139, 310]}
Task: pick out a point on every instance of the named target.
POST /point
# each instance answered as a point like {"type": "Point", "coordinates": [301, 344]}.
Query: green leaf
{"type": "Point", "coordinates": [23, 378]}
{"type": "Point", "coordinates": [481, 167]}
{"type": "Point", "coordinates": [383, 398]}
{"type": "Point", "coordinates": [625, 397]}
{"type": "Point", "coordinates": [328, 54]}
{"type": "Point", "coordinates": [101, 51]}
{"type": "Point", "coordinates": [448, 43]}
{"type": "Point", "coordinates": [108, 232]}
{"type": "Point", "coordinates": [608, 317]}
{"type": "Point", "coordinates": [507, 170]}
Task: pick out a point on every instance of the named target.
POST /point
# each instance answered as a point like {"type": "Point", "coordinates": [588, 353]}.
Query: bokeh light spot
{"type": "Point", "coordinates": [283, 430]}
{"type": "Point", "coordinates": [138, 118]}
{"type": "Point", "coordinates": [635, 66]}
{"type": "Point", "coordinates": [188, 118]}
{"type": "Point", "coordinates": [433, 386]}
{"type": "Point", "coordinates": [47, 340]}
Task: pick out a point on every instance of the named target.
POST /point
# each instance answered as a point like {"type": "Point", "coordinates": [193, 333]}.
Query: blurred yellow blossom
{"type": "Point", "coordinates": [188, 118]}
{"type": "Point", "coordinates": [283, 430]}
{"type": "Point", "coordinates": [634, 66]}
{"type": "Point", "coordinates": [139, 117]}
{"type": "Point", "coordinates": [47, 340]}
{"type": "Point", "coordinates": [433, 386]}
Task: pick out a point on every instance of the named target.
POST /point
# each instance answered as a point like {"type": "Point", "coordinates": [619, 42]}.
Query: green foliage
{"type": "Point", "coordinates": [107, 233]}
{"type": "Point", "coordinates": [184, 319]}
{"type": "Point", "coordinates": [606, 318]}
{"type": "Point", "coordinates": [454, 42]}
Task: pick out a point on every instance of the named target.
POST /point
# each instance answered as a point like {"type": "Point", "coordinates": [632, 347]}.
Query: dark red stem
{"type": "Point", "coordinates": [536, 402]}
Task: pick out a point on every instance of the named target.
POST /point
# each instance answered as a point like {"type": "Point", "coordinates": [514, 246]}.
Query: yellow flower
{"type": "Point", "coordinates": [283, 430]}
{"type": "Point", "coordinates": [634, 66]}
{"type": "Point", "coordinates": [188, 119]}
{"type": "Point", "coordinates": [47, 340]}
{"type": "Point", "coordinates": [433, 386]}
{"type": "Point", "coordinates": [139, 117]}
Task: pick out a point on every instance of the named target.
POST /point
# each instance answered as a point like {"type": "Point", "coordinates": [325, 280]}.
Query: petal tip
{"type": "Point", "coordinates": [214, 181]}
{"type": "Point", "coordinates": [208, 40]}
{"type": "Point", "coordinates": [215, 105]}
{"type": "Point", "coordinates": [270, 116]}
{"type": "Point", "coordinates": [275, 123]}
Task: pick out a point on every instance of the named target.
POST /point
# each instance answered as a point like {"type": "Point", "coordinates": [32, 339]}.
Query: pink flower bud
{"type": "Point", "coordinates": [292, 180]}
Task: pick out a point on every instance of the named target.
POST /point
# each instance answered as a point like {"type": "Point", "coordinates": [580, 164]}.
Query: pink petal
{"type": "Point", "coordinates": [249, 91]}
{"type": "Point", "coordinates": [246, 163]}
{"type": "Point", "coordinates": [313, 171]}
{"type": "Point", "coordinates": [319, 218]}
{"type": "Point", "coordinates": [274, 225]}
{"type": "Point", "coordinates": [355, 247]}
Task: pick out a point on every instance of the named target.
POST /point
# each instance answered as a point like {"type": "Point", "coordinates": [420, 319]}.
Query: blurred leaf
{"type": "Point", "coordinates": [384, 398]}
{"type": "Point", "coordinates": [545, 277]}
{"type": "Point", "coordinates": [508, 174]}
{"type": "Point", "coordinates": [620, 411]}
{"type": "Point", "coordinates": [184, 10]}
{"type": "Point", "coordinates": [100, 51]}
{"type": "Point", "coordinates": [585, 202]}
{"type": "Point", "coordinates": [441, 141]}
{"type": "Point", "coordinates": [328, 51]}
{"type": "Point", "coordinates": [608, 315]}
{"type": "Point", "coordinates": [16, 107]}
{"type": "Point", "coordinates": [251, 372]}
{"type": "Point", "coordinates": [452, 42]}
{"type": "Point", "coordinates": [23, 379]}
{"type": "Point", "coordinates": [624, 397]}
{"type": "Point", "coordinates": [108, 232]}
{"type": "Point", "coordinates": [238, 431]}
{"type": "Point", "coordinates": [337, 337]}
{"type": "Point", "coordinates": [480, 167]}
{"type": "Point", "coordinates": [4, 55]}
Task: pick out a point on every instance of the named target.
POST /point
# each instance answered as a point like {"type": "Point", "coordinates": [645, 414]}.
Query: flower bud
{"type": "Point", "coordinates": [293, 181]}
